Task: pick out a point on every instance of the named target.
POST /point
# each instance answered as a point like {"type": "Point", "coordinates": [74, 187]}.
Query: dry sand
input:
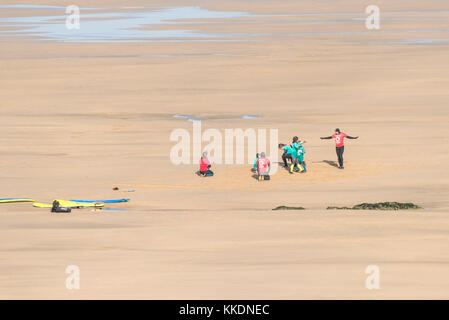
{"type": "Point", "coordinates": [79, 119]}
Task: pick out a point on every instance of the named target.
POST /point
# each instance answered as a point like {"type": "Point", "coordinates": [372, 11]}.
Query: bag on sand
{"type": "Point", "coordinates": [57, 208]}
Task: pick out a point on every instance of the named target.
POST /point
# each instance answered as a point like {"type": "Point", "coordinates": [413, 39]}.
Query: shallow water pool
{"type": "Point", "coordinates": [134, 24]}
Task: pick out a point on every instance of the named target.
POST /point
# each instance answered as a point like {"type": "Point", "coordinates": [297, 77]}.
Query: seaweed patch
{"type": "Point", "coordinates": [379, 206]}
{"type": "Point", "coordinates": [288, 208]}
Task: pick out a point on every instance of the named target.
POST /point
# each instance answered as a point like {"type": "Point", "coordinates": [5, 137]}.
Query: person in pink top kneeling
{"type": "Point", "coordinates": [263, 167]}
{"type": "Point", "coordinates": [205, 166]}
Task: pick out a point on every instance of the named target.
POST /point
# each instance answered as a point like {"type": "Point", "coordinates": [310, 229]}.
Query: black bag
{"type": "Point", "coordinates": [57, 208]}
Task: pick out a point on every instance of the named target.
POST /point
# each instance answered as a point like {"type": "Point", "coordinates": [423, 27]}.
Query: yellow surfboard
{"type": "Point", "coordinates": [69, 204]}
{"type": "Point", "coordinates": [11, 200]}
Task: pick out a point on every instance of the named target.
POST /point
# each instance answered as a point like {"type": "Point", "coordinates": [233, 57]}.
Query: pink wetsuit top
{"type": "Point", "coordinates": [262, 164]}
{"type": "Point", "coordinates": [204, 163]}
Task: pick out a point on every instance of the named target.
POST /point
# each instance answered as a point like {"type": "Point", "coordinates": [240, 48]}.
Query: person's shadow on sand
{"type": "Point", "coordinates": [331, 163]}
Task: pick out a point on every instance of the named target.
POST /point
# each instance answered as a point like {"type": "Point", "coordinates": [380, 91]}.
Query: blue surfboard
{"type": "Point", "coordinates": [102, 201]}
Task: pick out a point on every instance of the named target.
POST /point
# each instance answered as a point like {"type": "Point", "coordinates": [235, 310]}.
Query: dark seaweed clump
{"type": "Point", "coordinates": [380, 206]}
{"type": "Point", "coordinates": [288, 208]}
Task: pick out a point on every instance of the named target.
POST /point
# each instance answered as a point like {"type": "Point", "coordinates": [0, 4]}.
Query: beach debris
{"type": "Point", "coordinates": [288, 208]}
{"type": "Point", "coordinates": [379, 206]}
{"type": "Point", "coordinates": [251, 116]}
{"type": "Point", "coordinates": [117, 189]}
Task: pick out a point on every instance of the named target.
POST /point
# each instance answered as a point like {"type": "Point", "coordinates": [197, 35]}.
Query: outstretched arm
{"type": "Point", "coordinates": [330, 137]}
{"type": "Point", "coordinates": [349, 137]}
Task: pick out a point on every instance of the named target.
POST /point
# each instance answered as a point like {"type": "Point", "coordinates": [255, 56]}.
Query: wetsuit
{"type": "Point", "coordinates": [287, 154]}
{"type": "Point", "coordinates": [301, 161]}
{"type": "Point", "coordinates": [295, 157]}
{"type": "Point", "coordinates": [340, 145]}
{"type": "Point", "coordinates": [205, 167]}
{"type": "Point", "coordinates": [263, 168]}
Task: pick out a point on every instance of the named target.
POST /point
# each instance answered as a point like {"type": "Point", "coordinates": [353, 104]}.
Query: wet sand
{"type": "Point", "coordinates": [79, 119]}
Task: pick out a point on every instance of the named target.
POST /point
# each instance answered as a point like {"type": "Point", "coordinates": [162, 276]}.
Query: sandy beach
{"type": "Point", "coordinates": [85, 112]}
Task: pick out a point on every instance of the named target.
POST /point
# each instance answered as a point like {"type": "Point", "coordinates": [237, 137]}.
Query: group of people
{"type": "Point", "coordinates": [293, 153]}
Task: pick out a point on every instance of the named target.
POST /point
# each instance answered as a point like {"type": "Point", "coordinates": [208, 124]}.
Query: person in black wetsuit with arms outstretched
{"type": "Point", "coordinates": [339, 144]}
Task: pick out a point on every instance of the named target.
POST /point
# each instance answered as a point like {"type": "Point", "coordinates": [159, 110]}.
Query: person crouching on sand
{"type": "Point", "coordinates": [339, 145]}
{"type": "Point", "coordinates": [287, 155]}
{"type": "Point", "coordinates": [263, 167]}
{"type": "Point", "coordinates": [205, 166]}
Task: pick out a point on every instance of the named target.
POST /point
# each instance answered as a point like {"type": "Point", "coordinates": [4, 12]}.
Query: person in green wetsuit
{"type": "Point", "coordinates": [302, 163]}
{"type": "Point", "coordinates": [287, 153]}
{"type": "Point", "coordinates": [295, 147]}
{"type": "Point", "coordinates": [254, 169]}
{"type": "Point", "coordinates": [296, 144]}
